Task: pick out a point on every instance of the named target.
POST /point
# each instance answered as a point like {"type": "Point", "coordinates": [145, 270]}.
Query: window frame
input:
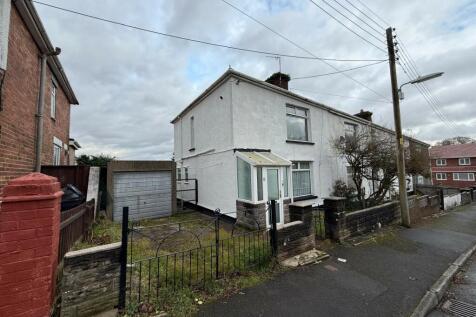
{"type": "Point", "coordinates": [442, 162]}
{"type": "Point", "coordinates": [250, 168]}
{"type": "Point", "coordinates": [464, 161]}
{"type": "Point", "coordinates": [441, 178]}
{"type": "Point", "coordinates": [53, 95]}
{"type": "Point", "coordinates": [300, 169]}
{"type": "Point", "coordinates": [307, 121]}
{"type": "Point", "coordinates": [179, 173]}
{"type": "Point", "coordinates": [192, 133]}
{"type": "Point", "coordinates": [470, 179]}
{"type": "Point", "coordinates": [57, 154]}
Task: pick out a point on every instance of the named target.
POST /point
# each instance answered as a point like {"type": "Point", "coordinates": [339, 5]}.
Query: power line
{"type": "Point", "coordinates": [412, 68]}
{"type": "Point", "coordinates": [381, 31]}
{"type": "Point", "coordinates": [373, 12]}
{"type": "Point", "coordinates": [341, 23]}
{"type": "Point", "coordinates": [195, 40]}
{"type": "Point", "coordinates": [368, 17]}
{"type": "Point", "coordinates": [339, 72]}
{"type": "Point", "coordinates": [336, 95]}
{"type": "Point", "coordinates": [356, 24]}
{"type": "Point", "coordinates": [291, 41]}
{"type": "Point", "coordinates": [303, 49]}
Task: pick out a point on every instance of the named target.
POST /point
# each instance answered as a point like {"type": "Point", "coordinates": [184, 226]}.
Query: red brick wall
{"type": "Point", "coordinates": [29, 237]}
{"type": "Point", "coordinates": [20, 96]}
{"type": "Point", "coordinates": [451, 167]}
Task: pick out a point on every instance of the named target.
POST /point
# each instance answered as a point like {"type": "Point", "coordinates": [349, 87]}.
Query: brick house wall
{"type": "Point", "coordinates": [19, 105]}
{"type": "Point", "coordinates": [451, 167]}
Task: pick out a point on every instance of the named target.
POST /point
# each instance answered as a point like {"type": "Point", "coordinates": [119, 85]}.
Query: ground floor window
{"type": "Point", "coordinates": [56, 154]}
{"type": "Point", "coordinates": [463, 176]}
{"type": "Point", "coordinates": [244, 179]}
{"type": "Point", "coordinates": [441, 176]}
{"type": "Point", "coordinates": [301, 173]}
{"type": "Point", "coordinates": [179, 173]}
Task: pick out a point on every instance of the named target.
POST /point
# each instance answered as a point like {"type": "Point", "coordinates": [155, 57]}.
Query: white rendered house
{"type": "Point", "coordinates": [248, 141]}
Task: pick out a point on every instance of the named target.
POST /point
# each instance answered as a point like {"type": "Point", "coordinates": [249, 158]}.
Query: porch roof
{"type": "Point", "coordinates": [263, 158]}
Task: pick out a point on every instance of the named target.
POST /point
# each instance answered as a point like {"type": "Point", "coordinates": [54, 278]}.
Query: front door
{"type": "Point", "coordinates": [273, 191]}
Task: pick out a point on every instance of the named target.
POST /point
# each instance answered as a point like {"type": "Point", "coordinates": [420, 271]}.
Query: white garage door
{"type": "Point", "coordinates": [147, 194]}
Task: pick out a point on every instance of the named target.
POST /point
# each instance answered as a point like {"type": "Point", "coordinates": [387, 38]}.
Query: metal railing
{"type": "Point", "coordinates": [222, 253]}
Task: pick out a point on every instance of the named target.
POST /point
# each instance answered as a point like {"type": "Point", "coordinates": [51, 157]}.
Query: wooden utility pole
{"type": "Point", "coordinates": [402, 186]}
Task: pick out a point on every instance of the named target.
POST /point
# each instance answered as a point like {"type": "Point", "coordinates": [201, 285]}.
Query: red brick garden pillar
{"type": "Point", "coordinates": [29, 237]}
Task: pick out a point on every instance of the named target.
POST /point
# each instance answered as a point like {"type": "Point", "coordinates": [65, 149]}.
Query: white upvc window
{"type": "Point", "coordinates": [301, 175]}
{"type": "Point", "coordinates": [57, 148]}
{"type": "Point", "coordinates": [53, 99]}
{"type": "Point", "coordinates": [464, 161]}
{"type": "Point", "coordinates": [179, 173]}
{"type": "Point", "coordinates": [192, 133]}
{"type": "Point", "coordinates": [440, 162]}
{"type": "Point", "coordinates": [463, 176]}
{"type": "Point", "coordinates": [297, 123]}
{"type": "Point", "coordinates": [243, 179]}
{"type": "Point", "coordinates": [185, 172]}
{"type": "Point", "coordinates": [441, 176]}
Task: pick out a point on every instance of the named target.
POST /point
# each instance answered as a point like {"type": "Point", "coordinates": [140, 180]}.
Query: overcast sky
{"type": "Point", "coordinates": [130, 84]}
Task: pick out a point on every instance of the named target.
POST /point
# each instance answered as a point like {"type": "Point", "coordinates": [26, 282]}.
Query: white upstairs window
{"type": "Point", "coordinates": [440, 162]}
{"type": "Point", "coordinates": [192, 133]}
{"type": "Point", "coordinates": [297, 123]}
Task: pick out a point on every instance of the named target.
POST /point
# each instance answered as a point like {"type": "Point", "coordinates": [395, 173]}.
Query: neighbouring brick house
{"type": "Point", "coordinates": [453, 165]}
{"type": "Point", "coordinates": [24, 44]}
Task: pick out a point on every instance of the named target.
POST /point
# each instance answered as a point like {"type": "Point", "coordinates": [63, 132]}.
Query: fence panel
{"type": "Point", "coordinates": [69, 174]}
{"type": "Point", "coordinates": [75, 224]}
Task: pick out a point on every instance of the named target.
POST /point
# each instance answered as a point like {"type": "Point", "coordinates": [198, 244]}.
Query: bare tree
{"type": "Point", "coordinates": [371, 156]}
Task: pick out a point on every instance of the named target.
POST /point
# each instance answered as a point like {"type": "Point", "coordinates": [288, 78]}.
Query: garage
{"type": "Point", "coordinates": [146, 187]}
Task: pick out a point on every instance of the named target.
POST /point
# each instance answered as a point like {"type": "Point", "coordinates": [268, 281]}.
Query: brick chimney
{"type": "Point", "coordinates": [279, 79]}
{"type": "Point", "coordinates": [366, 115]}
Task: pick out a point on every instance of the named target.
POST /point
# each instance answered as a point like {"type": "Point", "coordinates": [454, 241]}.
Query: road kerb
{"type": "Point", "coordinates": [433, 296]}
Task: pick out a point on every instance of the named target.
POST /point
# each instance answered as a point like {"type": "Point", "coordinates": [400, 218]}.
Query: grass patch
{"type": "Point", "coordinates": [187, 301]}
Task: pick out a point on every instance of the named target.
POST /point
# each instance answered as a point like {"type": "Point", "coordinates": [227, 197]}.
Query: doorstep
{"type": "Point", "coordinates": [305, 258]}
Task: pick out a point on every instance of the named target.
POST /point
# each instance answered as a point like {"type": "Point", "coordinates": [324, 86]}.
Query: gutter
{"type": "Point", "coordinates": [32, 20]}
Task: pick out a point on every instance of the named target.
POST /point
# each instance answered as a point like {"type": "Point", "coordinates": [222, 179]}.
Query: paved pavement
{"type": "Point", "coordinates": [383, 278]}
{"type": "Point", "coordinates": [460, 299]}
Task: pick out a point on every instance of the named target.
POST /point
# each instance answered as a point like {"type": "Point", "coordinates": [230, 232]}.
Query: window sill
{"type": "Point", "coordinates": [192, 149]}
{"type": "Point", "coordinates": [299, 198]}
{"type": "Point", "coordinates": [300, 142]}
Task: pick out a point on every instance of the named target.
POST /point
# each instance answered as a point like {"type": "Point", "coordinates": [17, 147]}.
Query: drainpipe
{"type": "Point", "coordinates": [41, 107]}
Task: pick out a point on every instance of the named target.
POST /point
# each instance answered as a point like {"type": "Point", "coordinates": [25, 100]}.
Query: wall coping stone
{"type": "Point", "coordinates": [370, 208]}
{"type": "Point", "coordinates": [106, 247]}
{"type": "Point", "coordinates": [303, 203]}
{"type": "Point", "coordinates": [334, 198]}
{"type": "Point", "coordinates": [290, 224]}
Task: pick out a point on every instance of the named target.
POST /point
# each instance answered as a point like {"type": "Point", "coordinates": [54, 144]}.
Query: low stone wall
{"type": "Point", "coordinates": [366, 220]}
{"type": "Point", "coordinates": [253, 216]}
{"type": "Point", "coordinates": [298, 235]}
{"type": "Point", "coordinates": [423, 206]}
{"type": "Point", "coordinates": [90, 283]}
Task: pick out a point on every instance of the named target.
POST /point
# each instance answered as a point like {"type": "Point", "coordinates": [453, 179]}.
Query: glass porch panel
{"type": "Point", "coordinates": [273, 191]}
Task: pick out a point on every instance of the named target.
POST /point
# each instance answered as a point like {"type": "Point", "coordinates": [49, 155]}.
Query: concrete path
{"type": "Point", "coordinates": [383, 278]}
{"type": "Point", "coordinates": [460, 299]}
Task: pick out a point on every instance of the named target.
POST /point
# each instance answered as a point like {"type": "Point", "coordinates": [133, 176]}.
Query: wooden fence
{"type": "Point", "coordinates": [70, 174]}
{"type": "Point", "coordinates": [75, 224]}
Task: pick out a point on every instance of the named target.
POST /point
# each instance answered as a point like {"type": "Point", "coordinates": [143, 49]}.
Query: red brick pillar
{"type": "Point", "coordinates": [29, 237]}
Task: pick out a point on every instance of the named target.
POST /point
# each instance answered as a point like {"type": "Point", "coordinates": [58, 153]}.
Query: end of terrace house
{"type": "Point", "coordinates": [248, 141]}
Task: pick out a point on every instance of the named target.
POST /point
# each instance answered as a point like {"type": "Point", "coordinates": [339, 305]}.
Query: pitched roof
{"type": "Point", "coordinates": [32, 20]}
{"type": "Point", "coordinates": [453, 151]}
{"type": "Point", "coordinates": [233, 73]}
